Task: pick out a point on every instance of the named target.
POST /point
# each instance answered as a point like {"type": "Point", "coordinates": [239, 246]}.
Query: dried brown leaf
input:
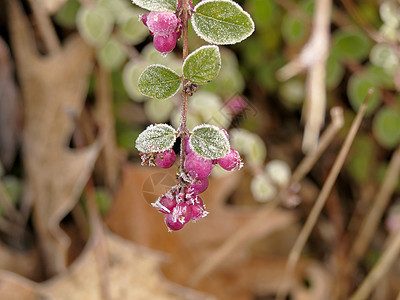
{"type": "Point", "coordinates": [54, 89]}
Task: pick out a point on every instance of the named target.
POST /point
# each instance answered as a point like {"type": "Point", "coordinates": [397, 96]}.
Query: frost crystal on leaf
{"type": "Point", "coordinates": [159, 82]}
{"type": "Point", "coordinates": [202, 65]}
{"type": "Point", "coordinates": [157, 5]}
{"type": "Point", "coordinates": [221, 22]}
{"type": "Point", "coordinates": [156, 138]}
{"type": "Point", "coordinates": [209, 141]}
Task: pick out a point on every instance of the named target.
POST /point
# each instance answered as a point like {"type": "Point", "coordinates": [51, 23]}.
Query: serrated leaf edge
{"type": "Point", "coordinates": [227, 43]}
{"type": "Point", "coordinates": [155, 125]}
{"type": "Point", "coordinates": [162, 66]}
{"type": "Point", "coordinates": [199, 49]}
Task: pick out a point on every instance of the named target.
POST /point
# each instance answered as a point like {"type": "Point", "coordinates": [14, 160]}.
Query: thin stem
{"type": "Point", "coordinates": [183, 130]}
{"type": "Point", "coordinates": [381, 268]}
{"type": "Point", "coordinates": [320, 202]}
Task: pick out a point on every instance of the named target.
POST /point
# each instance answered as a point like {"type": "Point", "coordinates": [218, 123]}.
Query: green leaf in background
{"type": "Point", "coordinates": [209, 141]}
{"type": "Point", "coordinates": [157, 5]}
{"type": "Point", "coordinates": [249, 144]}
{"type": "Point", "coordinates": [158, 111]}
{"type": "Point", "coordinates": [112, 55]}
{"type": "Point", "coordinates": [293, 29]}
{"type": "Point", "coordinates": [383, 55]}
{"type": "Point", "coordinates": [350, 45]}
{"type": "Point", "coordinates": [115, 7]}
{"type": "Point", "coordinates": [221, 22]}
{"type": "Point", "coordinates": [66, 15]}
{"type": "Point", "coordinates": [262, 188]}
{"type": "Point", "coordinates": [159, 82]}
{"type": "Point", "coordinates": [386, 127]}
{"type": "Point", "coordinates": [156, 138]}
{"type": "Point", "coordinates": [130, 77]}
{"type": "Point", "coordinates": [357, 89]}
{"type": "Point", "coordinates": [361, 158]}
{"type": "Point", "coordinates": [202, 65]}
{"type": "Point", "coordinates": [130, 29]}
{"type": "Point", "coordinates": [94, 24]}
{"type": "Point", "coordinates": [334, 72]}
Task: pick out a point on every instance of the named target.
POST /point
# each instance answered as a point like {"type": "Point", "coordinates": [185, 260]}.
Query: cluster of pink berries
{"type": "Point", "coordinates": [181, 205]}
{"type": "Point", "coordinates": [165, 27]}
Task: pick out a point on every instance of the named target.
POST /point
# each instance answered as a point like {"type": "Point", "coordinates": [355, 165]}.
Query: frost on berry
{"type": "Point", "coordinates": [231, 161]}
{"type": "Point", "coordinates": [198, 167]}
{"type": "Point", "coordinates": [187, 146]}
{"type": "Point", "coordinates": [162, 23]}
{"type": "Point", "coordinates": [165, 43]}
{"type": "Point", "coordinates": [165, 203]}
{"type": "Point", "coordinates": [198, 209]}
{"type": "Point", "coordinates": [198, 187]}
{"type": "Point", "coordinates": [181, 214]}
{"type": "Point", "coordinates": [166, 159]}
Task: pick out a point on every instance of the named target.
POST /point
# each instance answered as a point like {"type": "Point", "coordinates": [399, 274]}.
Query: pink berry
{"type": "Point", "coordinates": [143, 18]}
{"type": "Point", "coordinates": [166, 159]}
{"type": "Point", "coordinates": [165, 43]}
{"type": "Point", "coordinates": [198, 186]}
{"type": "Point", "coordinates": [173, 222]}
{"type": "Point", "coordinates": [198, 167]}
{"type": "Point", "coordinates": [198, 209]}
{"type": "Point", "coordinates": [187, 146]}
{"type": "Point", "coordinates": [162, 23]}
{"type": "Point", "coordinates": [231, 161]}
{"type": "Point", "coordinates": [165, 203]}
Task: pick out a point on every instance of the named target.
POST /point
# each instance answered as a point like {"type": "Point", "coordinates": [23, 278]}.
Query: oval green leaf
{"type": "Point", "coordinates": [157, 5]}
{"type": "Point", "coordinates": [221, 22]}
{"type": "Point", "coordinates": [159, 82]}
{"type": "Point", "coordinates": [94, 24]}
{"type": "Point", "coordinates": [156, 138]}
{"type": "Point", "coordinates": [202, 65]}
{"type": "Point", "coordinates": [209, 141]}
{"type": "Point", "coordinates": [386, 128]}
{"type": "Point", "coordinates": [112, 55]}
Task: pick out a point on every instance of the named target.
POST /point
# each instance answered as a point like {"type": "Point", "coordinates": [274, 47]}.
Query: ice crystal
{"type": "Point", "coordinates": [222, 22]}
{"type": "Point", "coordinates": [209, 141]}
{"type": "Point", "coordinates": [157, 5]}
{"type": "Point", "coordinates": [156, 138]}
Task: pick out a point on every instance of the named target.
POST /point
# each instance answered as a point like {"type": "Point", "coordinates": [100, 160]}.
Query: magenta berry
{"type": "Point", "coordinates": [143, 18]}
{"type": "Point", "coordinates": [187, 146]}
{"type": "Point", "coordinates": [198, 167]}
{"type": "Point", "coordinates": [231, 161]}
{"type": "Point", "coordinates": [165, 203]}
{"type": "Point", "coordinates": [198, 211]}
{"type": "Point", "coordinates": [162, 23]}
{"type": "Point", "coordinates": [173, 222]}
{"type": "Point", "coordinates": [198, 187]}
{"type": "Point", "coordinates": [166, 159]}
{"type": "Point", "coordinates": [165, 43]}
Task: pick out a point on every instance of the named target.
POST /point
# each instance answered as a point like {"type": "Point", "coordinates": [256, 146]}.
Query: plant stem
{"type": "Point", "coordinates": [184, 131]}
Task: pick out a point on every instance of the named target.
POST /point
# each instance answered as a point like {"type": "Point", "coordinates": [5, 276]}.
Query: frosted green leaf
{"type": "Point", "coordinates": [112, 55]}
{"type": "Point", "coordinates": [130, 28]}
{"type": "Point", "coordinates": [202, 65]}
{"type": "Point", "coordinates": [159, 82]}
{"type": "Point", "coordinates": [221, 22]}
{"type": "Point", "coordinates": [262, 189]}
{"type": "Point", "coordinates": [115, 7]}
{"type": "Point", "coordinates": [157, 110]}
{"type": "Point", "coordinates": [157, 5]}
{"type": "Point", "coordinates": [386, 127]}
{"type": "Point", "coordinates": [94, 24]}
{"type": "Point", "coordinates": [209, 141]}
{"type": "Point", "coordinates": [156, 138]}
{"type": "Point", "coordinates": [382, 55]}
